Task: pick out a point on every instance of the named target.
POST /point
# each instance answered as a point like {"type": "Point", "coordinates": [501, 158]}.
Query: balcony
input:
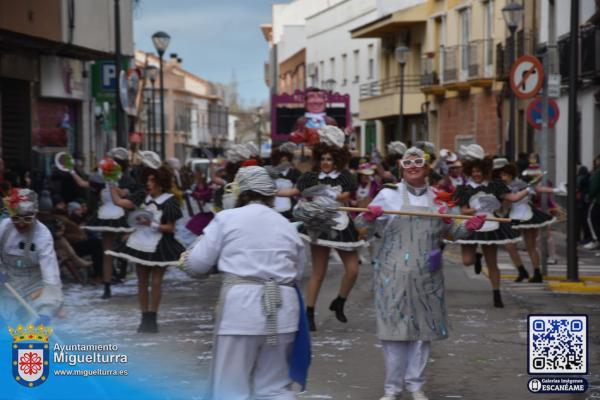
{"type": "Point", "coordinates": [430, 79]}
{"type": "Point", "coordinates": [480, 54]}
{"type": "Point", "coordinates": [381, 99]}
{"type": "Point", "coordinates": [455, 68]}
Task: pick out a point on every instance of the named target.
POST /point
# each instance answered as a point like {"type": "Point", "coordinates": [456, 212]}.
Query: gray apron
{"type": "Point", "coordinates": [409, 298]}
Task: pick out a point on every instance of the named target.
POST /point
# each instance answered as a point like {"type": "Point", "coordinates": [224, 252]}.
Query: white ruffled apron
{"type": "Point", "coordinates": [108, 209]}
{"type": "Point", "coordinates": [145, 238]}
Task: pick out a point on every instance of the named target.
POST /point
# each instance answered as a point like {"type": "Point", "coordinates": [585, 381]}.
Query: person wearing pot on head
{"type": "Point", "coordinates": [528, 219]}
{"type": "Point", "coordinates": [110, 219]}
{"type": "Point", "coordinates": [329, 184]}
{"type": "Point", "coordinates": [282, 161]}
{"type": "Point", "coordinates": [152, 245]}
{"type": "Point", "coordinates": [389, 169]}
{"type": "Point", "coordinates": [367, 187]}
{"type": "Point", "coordinates": [481, 194]}
{"type": "Point", "coordinates": [261, 338]}
{"type": "Point", "coordinates": [28, 262]}
{"type": "Point", "coordinates": [408, 278]}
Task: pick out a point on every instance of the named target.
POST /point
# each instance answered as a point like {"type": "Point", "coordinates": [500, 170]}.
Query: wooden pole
{"type": "Point", "coordinates": [425, 214]}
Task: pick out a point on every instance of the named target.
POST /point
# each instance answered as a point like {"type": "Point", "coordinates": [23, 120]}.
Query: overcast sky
{"type": "Point", "coordinates": [215, 38]}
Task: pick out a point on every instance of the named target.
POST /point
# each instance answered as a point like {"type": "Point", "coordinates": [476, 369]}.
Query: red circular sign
{"type": "Point", "coordinates": [526, 77]}
{"type": "Point", "coordinates": [534, 113]}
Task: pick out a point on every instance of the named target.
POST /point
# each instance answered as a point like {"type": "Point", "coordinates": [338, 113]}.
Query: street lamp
{"type": "Point", "coordinates": [258, 120]}
{"type": "Point", "coordinates": [401, 53]}
{"type": "Point", "coordinates": [512, 13]}
{"type": "Point", "coordinates": [329, 85]}
{"type": "Point", "coordinates": [161, 42]}
{"type": "Point", "coordinates": [151, 73]}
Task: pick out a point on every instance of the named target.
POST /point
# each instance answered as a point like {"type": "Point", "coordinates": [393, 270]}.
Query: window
{"type": "Point", "coordinates": [356, 66]}
{"type": "Point", "coordinates": [489, 29]}
{"type": "Point", "coordinates": [332, 68]}
{"type": "Point", "coordinates": [322, 72]}
{"type": "Point", "coordinates": [371, 62]}
{"type": "Point", "coordinates": [463, 40]}
{"type": "Point", "coordinates": [344, 69]}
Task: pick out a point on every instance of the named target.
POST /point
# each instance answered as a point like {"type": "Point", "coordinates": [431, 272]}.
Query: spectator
{"type": "Point", "coordinates": [594, 214]}
{"type": "Point", "coordinates": [583, 205]}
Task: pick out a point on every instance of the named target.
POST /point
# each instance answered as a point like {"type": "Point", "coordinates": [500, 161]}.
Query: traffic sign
{"type": "Point", "coordinates": [534, 113]}
{"type": "Point", "coordinates": [526, 77]}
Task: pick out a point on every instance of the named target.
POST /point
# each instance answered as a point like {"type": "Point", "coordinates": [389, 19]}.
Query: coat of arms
{"type": "Point", "coordinates": [30, 354]}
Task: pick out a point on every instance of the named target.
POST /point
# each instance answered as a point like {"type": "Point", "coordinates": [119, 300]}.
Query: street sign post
{"type": "Point", "coordinates": [535, 111]}
{"type": "Point", "coordinates": [526, 77]}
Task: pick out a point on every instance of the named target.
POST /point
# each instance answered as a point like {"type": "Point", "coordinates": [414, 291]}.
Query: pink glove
{"type": "Point", "coordinates": [444, 210]}
{"type": "Point", "coordinates": [475, 222]}
{"type": "Point", "coordinates": [373, 213]}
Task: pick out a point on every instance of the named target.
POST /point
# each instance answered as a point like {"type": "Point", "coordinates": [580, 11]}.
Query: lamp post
{"type": "Point", "coordinates": [119, 112]}
{"type": "Point", "coordinates": [151, 72]}
{"type": "Point", "coordinates": [512, 13]}
{"type": "Point", "coordinates": [400, 54]}
{"type": "Point", "coordinates": [161, 42]}
{"type": "Point", "coordinates": [258, 119]}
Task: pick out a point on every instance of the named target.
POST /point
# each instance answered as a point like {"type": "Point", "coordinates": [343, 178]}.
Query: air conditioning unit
{"type": "Point", "coordinates": [312, 69]}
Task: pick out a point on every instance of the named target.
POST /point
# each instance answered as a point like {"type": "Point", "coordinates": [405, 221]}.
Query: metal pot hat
{"type": "Point", "coordinates": [396, 147]}
{"type": "Point", "coordinates": [332, 135]}
{"type": "Point", "coordinates": [499, 163]}
{"type": "Point", "coordinates": [474, 152]}
{"type": "Point", "coordinates": [119, 153]}
{"type": "Point", "coordinates": [150, 159]}
{"type": "Point", "coordinates": [288, 147]}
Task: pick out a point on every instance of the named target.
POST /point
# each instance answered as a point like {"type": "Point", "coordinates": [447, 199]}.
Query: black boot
{"type": "Point", "coordinates": [152, 325]}
{"type": "Point", "coordinates": [477, 265]}
{"type": "Point", "coordinates": [498, 299]}
{"type": "Point", "coordinates": [310, 314]}
{"type": "Point", "coordinates": [107, 294]}
{"type": "Point", "coordinates": [337, 305]}
{"type": "Point", "coordinates": [522, 274]}
{"type": "Point", "coordinates": [537, 276]}
{"type": "Point", "coordinates": [144, 324]}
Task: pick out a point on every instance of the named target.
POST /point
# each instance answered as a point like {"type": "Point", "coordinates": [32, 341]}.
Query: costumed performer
{"type": "Point", "coordinates": [261, 338]}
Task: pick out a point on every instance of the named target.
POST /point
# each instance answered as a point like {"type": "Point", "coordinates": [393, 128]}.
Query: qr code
{"type": "Point", "coordinates": [557, 344]}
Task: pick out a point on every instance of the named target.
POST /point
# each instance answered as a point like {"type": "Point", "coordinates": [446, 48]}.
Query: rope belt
{"type": "Point", "coordinates": [270, 301]}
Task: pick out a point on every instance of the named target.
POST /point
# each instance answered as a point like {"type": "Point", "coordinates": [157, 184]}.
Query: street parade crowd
{"type": "Point", "coordinates": [395, 215]}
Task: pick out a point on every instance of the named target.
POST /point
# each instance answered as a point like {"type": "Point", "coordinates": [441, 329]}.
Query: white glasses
{"type": "Point", "coordinates": [414, 162]}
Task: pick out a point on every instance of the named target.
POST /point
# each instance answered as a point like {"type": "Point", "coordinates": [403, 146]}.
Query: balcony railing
{"type": "Point", "coordinates": [391, 85]}
{"type": "Point", "coordinates": [481, 57]}
{"type": "Point", "coordinates": [429, 67]}
{"type": "Point", "coordinates": [450, 64]}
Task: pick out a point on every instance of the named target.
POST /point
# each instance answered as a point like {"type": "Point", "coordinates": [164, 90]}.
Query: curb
{"type": "Point", "coordinates": [595, 279]}
{"type": "Point", "coordinates": [574, 287]}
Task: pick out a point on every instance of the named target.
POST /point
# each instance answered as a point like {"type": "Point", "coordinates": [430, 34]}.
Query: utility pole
{"type": "Point", "coordinates": [120, 114]}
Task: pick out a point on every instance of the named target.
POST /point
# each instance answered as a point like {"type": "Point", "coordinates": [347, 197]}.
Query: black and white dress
{"type": "Point", "coordinates": [150, 247]}
{"type": "Point", "coordinates": [481, 198]}
{"type": "Point", "coordinates": [344, 235]}
{"type": "Point", "coordinates": [287, 179]}
{"type": "Point", "coordinates": [526, 215]}
{"type": "Point", "coordinates": [109, 217]}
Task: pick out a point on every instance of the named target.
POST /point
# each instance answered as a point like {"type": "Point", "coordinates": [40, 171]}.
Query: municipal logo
{"type": "Point", "coordinates": [30, 354]}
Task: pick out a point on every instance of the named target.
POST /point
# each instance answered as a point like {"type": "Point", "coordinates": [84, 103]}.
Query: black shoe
{"type": "Point", "coordinates": [107, 294]}
{"type": "Point", "coordinates": [144, 324]}
{"type": "Point", "coordinates": [498, 299]}
{"type": "Point", "coordinates": [152, 326]}
{"type": "Point", "coordinates": [477, 265]}
{"type": "Point", "coordinates": [537, 277]}
{"type": "Point", "coordinates": [522, 274]}
{"type": "Point", "coordinates": [310, 314]}
{"type": "Point", "coordinates": [337, 305]}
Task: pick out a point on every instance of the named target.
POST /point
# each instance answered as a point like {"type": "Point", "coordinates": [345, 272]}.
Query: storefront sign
{"type": "Point", "coordinates": [61, 78]}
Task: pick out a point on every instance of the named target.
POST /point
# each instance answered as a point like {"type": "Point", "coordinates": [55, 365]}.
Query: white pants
{"type": "Point", "coordinates": [405, 363]}
{"type": "Point", "coordinates": [246, 367]}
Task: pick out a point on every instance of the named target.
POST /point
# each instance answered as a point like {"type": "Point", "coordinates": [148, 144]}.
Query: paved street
{"type": "Point", "coordinates": [484, 358]}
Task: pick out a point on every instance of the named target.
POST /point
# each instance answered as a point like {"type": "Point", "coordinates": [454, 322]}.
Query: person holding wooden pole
{"type": "Point", "coordinates": [408, 278]}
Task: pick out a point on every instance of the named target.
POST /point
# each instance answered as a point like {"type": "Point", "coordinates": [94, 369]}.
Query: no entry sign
{"type": "Point", "coordinates": [534, 113]}
{"type": "Point", "coordinates": [526, 77]}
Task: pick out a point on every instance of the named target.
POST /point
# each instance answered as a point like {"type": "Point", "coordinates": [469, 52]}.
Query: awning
{"type": "Point", "coordinates": [391, 23]}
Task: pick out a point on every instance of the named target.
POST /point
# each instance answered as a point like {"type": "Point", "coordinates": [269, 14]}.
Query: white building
{"type": "Point", "coordinates": [554, 17]}
{"type": "Point", "coordinates": [331, 53]}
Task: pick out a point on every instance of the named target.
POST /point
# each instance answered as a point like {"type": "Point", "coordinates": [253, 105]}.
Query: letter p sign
{"type": "Point", "coordinates": [108, 76]}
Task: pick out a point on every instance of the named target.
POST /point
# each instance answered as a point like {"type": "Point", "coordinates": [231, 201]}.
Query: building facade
{"type": "Point", "coordinates": [46, 52]}
{"type": "Point", "coordinates": [342, 64]}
